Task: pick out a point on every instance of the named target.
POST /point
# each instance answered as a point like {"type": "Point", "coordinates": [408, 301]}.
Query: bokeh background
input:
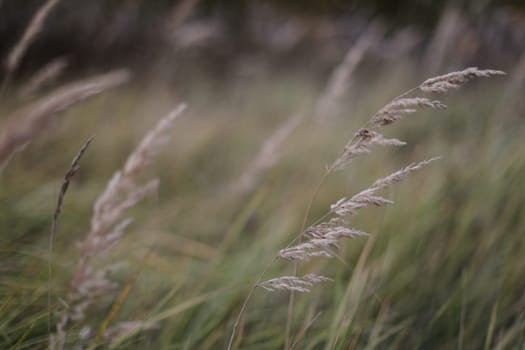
{"type": "Point", "coordinates": [443, 267]}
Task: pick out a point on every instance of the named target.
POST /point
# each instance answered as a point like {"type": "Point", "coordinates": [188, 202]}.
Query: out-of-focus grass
{"type": "Point", "coordinates": [443, 267]}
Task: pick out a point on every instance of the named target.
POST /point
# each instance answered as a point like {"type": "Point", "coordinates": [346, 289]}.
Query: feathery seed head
{"type": "Point", "coordinates": [292, 283]}
{"type": "Point", "coordinates": [333, 229]}
{"type": "Point", "coordinates": [368, 198]}
{"type": "Point", "coordinates": [398, 108]}
{"type": "Point", "coordinates": [455, 80]}
{"type": "Point", "coordinates": [361, 143]}
{"type": "Point", "coordinates": [314, 247]}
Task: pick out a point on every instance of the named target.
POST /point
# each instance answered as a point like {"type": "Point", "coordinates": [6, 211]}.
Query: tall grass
{"type": "Point", "coordinates": [93, 279]}
{"type": "Point", "coordinates": [322, 238]}
{"type": "Point", "coordinates": [439, 268]}
{"type": "Point", "coordinates": [442, 268]}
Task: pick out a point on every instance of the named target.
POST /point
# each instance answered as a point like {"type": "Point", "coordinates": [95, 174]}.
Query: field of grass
{"type": "Point", "coordinates": [443, 267]}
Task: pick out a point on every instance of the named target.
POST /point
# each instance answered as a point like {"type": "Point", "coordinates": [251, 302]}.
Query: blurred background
{"type": "Point", "coordinates": [228, 38]}
{"type": "Point", "coordinates": [275, 90]}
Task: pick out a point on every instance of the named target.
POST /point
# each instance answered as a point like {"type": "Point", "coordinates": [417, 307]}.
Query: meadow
{"type": "Point", "coordinates": [269, 207]}
{"type": "Point", "coordinates": [441, 268]}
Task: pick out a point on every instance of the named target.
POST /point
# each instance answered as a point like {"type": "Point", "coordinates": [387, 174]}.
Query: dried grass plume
{"type": "Point", "coordinates": [35, 26]}
{"type": "Point", "coordinates": [25, 124]}
{"type": "Point", "coordinates": [92, 279]}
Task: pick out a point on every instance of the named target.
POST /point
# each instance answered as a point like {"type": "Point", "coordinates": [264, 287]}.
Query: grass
{"type": "Point", "coordinates": [443, 267]}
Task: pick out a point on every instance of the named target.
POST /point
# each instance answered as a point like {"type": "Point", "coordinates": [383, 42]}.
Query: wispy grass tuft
{"type": "Point", "coordinates": [26, 123]}
{"type": "Point", "coordinates": [92, 279]}
{"type": "Point", "coordinates": [35, 26]}
{"type": "Point", "coordinates": [44, 76]}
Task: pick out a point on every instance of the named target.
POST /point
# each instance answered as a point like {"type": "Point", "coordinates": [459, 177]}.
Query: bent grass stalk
{"type": "Point", "coordinates": [17, 52]}
{"type": "Point", "coordinates": [390, 113]}
{"type": "Point", "coordinates": [361, 143]}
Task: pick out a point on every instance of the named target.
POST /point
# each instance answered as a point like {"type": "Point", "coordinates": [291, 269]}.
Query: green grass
{"type": "Point", "coordinates": [443, 267]}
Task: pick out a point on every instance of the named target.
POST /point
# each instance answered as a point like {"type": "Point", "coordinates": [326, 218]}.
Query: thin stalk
{"type": "Point", "coordinates": [289, 314]}
{"type": "Point", "coordinates": [314, 195]}
{"type": "Point", "coordinates": [291, 300]}
{"type": "Point", "coordinates": [63, 189]}
{"type": "Point", "coordinates": [49, 271]}
{"type": "Point", "coordinates": [303, 331]}
{"type": "Point", "coordinates": [330, 169]}
{"type": "Point", "coordinates": [245, 303]}
{"type": "Point", "coordinates": [258, 280]}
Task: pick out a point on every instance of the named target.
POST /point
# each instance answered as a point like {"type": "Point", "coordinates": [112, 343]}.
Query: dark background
{"type": "Point", "coordinates": [215, 35]}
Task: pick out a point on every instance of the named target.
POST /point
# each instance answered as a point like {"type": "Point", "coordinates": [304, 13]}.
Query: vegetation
{"type": "Point", "coordinates": [114, 236]}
